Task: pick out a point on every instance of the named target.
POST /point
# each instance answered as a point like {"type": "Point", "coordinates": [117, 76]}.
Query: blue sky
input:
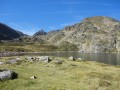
{"type": "Point", "coordinates": [30, 16]}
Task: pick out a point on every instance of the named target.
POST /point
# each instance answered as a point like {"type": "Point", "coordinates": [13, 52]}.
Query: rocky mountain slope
{"type": "Point", "coordinates": [7, 33]}
{"type": "Point", "coordinates": [93, 34]}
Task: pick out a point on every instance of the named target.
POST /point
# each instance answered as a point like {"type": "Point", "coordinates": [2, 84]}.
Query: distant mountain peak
{"type": "Point", "coordinates": [41, 32]}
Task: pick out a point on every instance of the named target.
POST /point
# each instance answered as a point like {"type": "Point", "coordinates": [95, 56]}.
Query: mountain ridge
{"type": "Point", "coordinates": [8, 33]}
{"type": "Point", "coordinates": [40, 32]}
{"type": "Point", "coordinates": [93, 34]}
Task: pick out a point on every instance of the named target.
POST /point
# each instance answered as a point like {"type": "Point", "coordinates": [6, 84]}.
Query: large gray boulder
{"type": "Point", "coordinates": [71, 58]}
{"type": "Point", "coordinates": [80, 59]}
{"type": "Point", "coordinates": [40, 58]}
{"type": "Point", "coordinates": [43, 58]}
{"type": "Point", "coordinates": [7, 74]}
{"type": "Point", "coordinates": [33, 77]}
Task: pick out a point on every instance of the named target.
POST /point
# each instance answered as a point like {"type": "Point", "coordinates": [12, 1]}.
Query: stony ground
{"type": "Point", "coordinates": [61, 74]}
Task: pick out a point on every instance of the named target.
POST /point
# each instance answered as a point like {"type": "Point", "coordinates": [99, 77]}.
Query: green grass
{"type": "Point", "coordinates": [36, 47]}
{"type": "Point", "coordinates": [70, 75]}
{"type": "Point", "coordinates": [20, 47]}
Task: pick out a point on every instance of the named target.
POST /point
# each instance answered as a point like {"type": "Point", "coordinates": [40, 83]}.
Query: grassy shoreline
{"type": "Point", "coordinates": [69, 75]}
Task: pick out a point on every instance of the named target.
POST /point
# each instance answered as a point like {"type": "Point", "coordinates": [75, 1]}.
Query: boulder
{"type": "Point", "coordinates": [43, 58]}
{"type": "Point", "coordinates": [31, 59]}
{"type": "Point", "coordinates": [80, 59]}
{"type": "Point", "coordinates": [71, 58]}
{"type": "Point", "coordinates": [33, 77]}
{"type": "Point", "coordinates": [1, 63]}
{"type": "Point", "coordinates": [18, 59]}
{"type": "Point", "coordinates": [7, 74]}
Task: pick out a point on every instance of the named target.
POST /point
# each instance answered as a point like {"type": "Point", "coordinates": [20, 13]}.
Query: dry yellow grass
{"type": "Point", "coordinates": [70, 75]}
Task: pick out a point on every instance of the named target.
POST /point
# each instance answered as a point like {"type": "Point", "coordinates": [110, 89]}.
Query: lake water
{"type": "Point", "coordinates": [113, 59]}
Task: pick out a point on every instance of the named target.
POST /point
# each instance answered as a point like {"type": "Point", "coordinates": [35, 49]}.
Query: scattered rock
{"type": "Point", "coordinates": [44, 58]}
{"type": "Point", "coordinates": [18, 59]}
{"type": "Point", "coordinates": [7, 74]}
{"type": "Point", "coordinates": [71, 58]}
{"type": "Point", "coordinates": [33, 77]}
{"type": "Point", "coordinates": [80, 59]}
{"type": "Point", "coordinates": [1, 63]}
{"type": "Point", "coordinates": [31, 59]}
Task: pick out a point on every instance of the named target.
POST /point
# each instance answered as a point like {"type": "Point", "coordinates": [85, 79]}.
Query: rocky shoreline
{"type": "Point", "coordinates": [5, 54]}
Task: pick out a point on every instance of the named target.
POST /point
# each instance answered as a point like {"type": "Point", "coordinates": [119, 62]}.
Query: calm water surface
{"type": "Point", "coordinates": [107, 58]}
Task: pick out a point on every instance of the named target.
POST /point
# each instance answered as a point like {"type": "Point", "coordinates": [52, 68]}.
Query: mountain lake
{"type": "Point", "coordinates": [107, 58]}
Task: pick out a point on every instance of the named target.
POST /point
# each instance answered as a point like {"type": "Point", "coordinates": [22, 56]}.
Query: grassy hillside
{"type": "Point", "coordinates": [35, 47]}
{"type": "Point", "coordinates": [68, 75]}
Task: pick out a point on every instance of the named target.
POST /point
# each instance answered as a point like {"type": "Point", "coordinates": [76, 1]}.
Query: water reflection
{"type": "Point", "coordinates": [118, 59]}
